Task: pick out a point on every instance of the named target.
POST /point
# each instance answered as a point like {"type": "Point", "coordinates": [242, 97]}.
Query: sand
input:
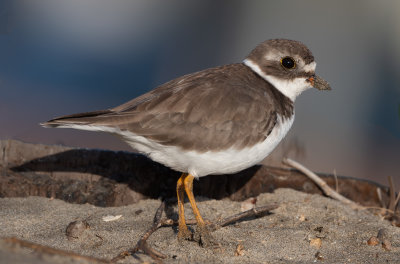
{"type": "Point", "coordinates": [305, 228]}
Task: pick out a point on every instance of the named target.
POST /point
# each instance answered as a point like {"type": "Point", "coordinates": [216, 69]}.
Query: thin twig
{"type": "Point", "coordinates": [171, 222]}
{"type": "Point", "coordinates": [379, 208]}
{"type": "Point", "coordinates": [392, 193]}
{"type": "Point", "coordinates": [158, 222]}
{"type": "Point", "coordinates": [379, 193]}
{"type": "Point", "coordinates": [397, 200]}
{"type": "Point", "coordinates": [322, 184]}
{"type": "Point", "coordinates": [254, 212]}
{"type": "Point", "coordinates": [142, 243]}
{"type": "Point", "coordinates": [336, 181]}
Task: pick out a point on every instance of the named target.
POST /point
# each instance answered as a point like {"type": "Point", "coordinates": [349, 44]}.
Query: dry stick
{"type": "Point", "coordinates": [380, 208]}
{"type": "Point", "coordinates": [142, 243]}
{"type": "Point", "coordinates": [396, 203]}
{"type": "Point", "coordinates": [322, 184]}
{"type": "Point", "coordinates": [254, 212]}
{"type": "Point", "coordinates": [157, 223]}
{"type": "Point", "coordinates": [171, 222]}
{"type": "Point", "coordinates": [392, 193]}
{"type": "Point", "coordinates": [336, 181]}
{"type": "Point", "coordinates": [52, 251]}
{"type": "Point", "coordinates": [379, 193]}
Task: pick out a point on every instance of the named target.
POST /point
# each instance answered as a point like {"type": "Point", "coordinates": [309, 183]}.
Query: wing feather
{"type": "Point", "coordinates": [218, 108]}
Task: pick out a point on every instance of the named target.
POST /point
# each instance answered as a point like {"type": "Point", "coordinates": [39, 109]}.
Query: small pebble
{"type": "Point", "coordinates": [382, 234]}
{"type": "Point", "coordinates": [373, 241]}
{"type": "Point", "coordinates": [318, 256]}
{"type": "Point", "coordinates": [316, 242]}
{"type": "Point", "coordinates": [386, 245]}
{"type": "Point", "coordinates": [248, 204]}
{"type": "Point", "coordinates": [302, 218]}
{"type": "Point", "coordinates": [75, 229]}
{"type": "Point", "coordinates": [138, 212]}
{"type": "Point", "coordinates": [239, 250]}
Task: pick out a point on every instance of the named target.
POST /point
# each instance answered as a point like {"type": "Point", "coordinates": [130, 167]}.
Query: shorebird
{"type": "Point", "coordinates": [216, 121]}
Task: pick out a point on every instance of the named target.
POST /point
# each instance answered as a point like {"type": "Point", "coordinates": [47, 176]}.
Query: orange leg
{"type": "Point", "coordinates": [188, 180]}
{"type": "Point", "coordinates": [202, 235]}
{"type": "Point", "coordinates": [184, 232]}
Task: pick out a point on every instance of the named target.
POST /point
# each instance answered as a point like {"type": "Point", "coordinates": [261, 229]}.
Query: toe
{"type": "Point", "coordinates": [184, 234]}
{"type": "Point", "coordinates": [203, 236]}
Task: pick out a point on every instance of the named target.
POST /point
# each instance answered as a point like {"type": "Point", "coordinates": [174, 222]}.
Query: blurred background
{"type": "Point", "coordinates": [63, 57]}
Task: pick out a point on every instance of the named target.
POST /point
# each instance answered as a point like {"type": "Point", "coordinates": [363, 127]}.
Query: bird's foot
{"type": "Point", "coordinates": [184, 234]}
{"type": "Point", "coordinates": [203, 236]}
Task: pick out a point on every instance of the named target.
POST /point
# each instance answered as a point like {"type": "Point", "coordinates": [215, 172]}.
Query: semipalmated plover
{"type": "Point", "coordinates": [216, 121]}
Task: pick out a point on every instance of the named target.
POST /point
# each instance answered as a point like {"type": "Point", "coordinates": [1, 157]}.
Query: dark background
{"type": "Point", "coordinates": [63, 57]}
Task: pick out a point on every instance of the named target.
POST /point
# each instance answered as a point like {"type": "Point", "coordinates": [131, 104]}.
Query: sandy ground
{"type": "Point", "coordinates": [304, 229]}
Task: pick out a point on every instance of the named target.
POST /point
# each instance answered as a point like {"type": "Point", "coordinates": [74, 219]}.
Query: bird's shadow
{"type": "Point", "coordinates": [139, 173]}
{"type": "Point", "coordinates": [109, 178]}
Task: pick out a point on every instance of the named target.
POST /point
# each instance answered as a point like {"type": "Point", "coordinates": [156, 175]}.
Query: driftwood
{"type": "Point", "coordinates": [322, 184]}
{"type": "Point", "coordinates": [68, 256]}
{"type": "Point", "coordinates": [108, 178]}
{"type": "Point", "coordinates": [388, 211]}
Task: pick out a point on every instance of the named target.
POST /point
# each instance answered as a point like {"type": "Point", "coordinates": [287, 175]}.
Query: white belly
{"type": "Point", "coordinates": [201, 164]}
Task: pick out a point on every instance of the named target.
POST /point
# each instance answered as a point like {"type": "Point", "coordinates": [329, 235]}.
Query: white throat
{"type": "Point", "coordinates": [289, 88]}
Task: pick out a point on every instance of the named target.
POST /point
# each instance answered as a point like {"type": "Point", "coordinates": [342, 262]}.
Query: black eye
{"type": "Point", "coordinates": [288, 63]}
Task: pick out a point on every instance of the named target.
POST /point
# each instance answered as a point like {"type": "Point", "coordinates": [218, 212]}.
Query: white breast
{"type": "Point", "coordinates": [290, 88]}
{"type": "Point", "coordinates": [201, 164]}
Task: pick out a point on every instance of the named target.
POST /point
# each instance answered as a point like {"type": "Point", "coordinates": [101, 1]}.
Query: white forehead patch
{"type": "Point", "coordinates": [310, 67]}
{"type": "Point", "coordinates": [289, 88]}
